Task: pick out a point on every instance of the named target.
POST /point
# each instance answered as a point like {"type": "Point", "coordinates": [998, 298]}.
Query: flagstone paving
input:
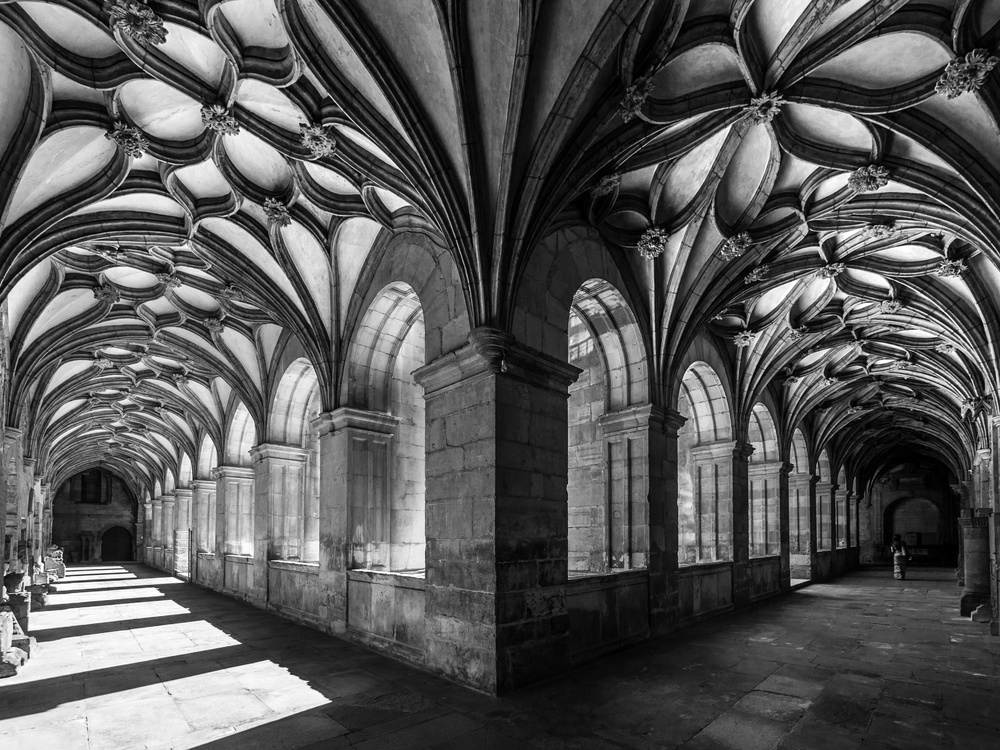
{"type": "Point", "coordinates": [130, 658]}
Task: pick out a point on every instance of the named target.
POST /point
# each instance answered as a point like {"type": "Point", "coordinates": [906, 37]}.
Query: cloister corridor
{"type": "Point", "coordinates": [862, 662]}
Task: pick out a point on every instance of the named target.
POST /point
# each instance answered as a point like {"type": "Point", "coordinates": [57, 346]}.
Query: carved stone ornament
{"type": "Point", "coordinates": [634, 99]}
{"type": "Point", "coordinates": [606, 185]}
{"type": "Point", "coordinates": [945, 347]}
{"type": "Point", "coordinates": [760, 273]}
{"type": "Point", "coordinates": [93, 403]}
{"type": "Point", "coordinates": [880, 230]}
{"type": "Point", "coordinates": [171, 281]}
{"type": "Point", "coordinates": [220, 119]}
{"type": "Point", "coordinates": [966, 74]}
{"type": "Point", "coordinates": [317, 139]}
{"type": "Point", "coordinates": [129, 140]}
{"type": "Point", "coordinates": [797, 334]}
{"type": "Point", "coordinates": [138, 21]}
{"type": "Point", "coordinates": [735, 246]}
{"type": "Point", "coordinates": [830, 380]}
{"type": "Point", "coordinates": [215, 325]}
{"type": "Point", "coordinates": [107, 293]}
{"type": "Point", "coordinates": [277, 212]}
{"type": "Point", "coordinates": [868, 179]}
{"type": "Point", "coordinates": [113, 254]}
{"type": "Point", "coordinates": [791, 380]}
{"type": "Point", "coordinates": [179, 379]}
{"type": "Point", "coordinates": [104, 363]}
{"type": "Point", "coordinates": [888, 307]}
{"type": "Point", "coordinates": [233, 293]}
{"type": "Point", "coordinates": [831, 270]}
{"type": "Point", "coordinates": [851, 410]}
{"type": "Point", "coordinates": [952, 268]}
{"type": "Point", "coordinates": [744, 338]}
{"type": "Point", "coordinates": [652, 243]}
{"type": "Point", "coordinates": [762, 109]}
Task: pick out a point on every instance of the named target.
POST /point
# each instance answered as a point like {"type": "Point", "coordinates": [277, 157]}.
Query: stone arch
{"type": "Point", "coordinates": [389, 344]}
{"type": "Point", "coordinates": [240, 437]}
{"type": "Point", "coordinates": [798, 500]}
{"type": "Point", "coordinates": [117, 545]}
{"type": "Point", "coordinates": [764, 476]}
{"type": "Point", "coordinates": [605, 343]}
{"type": "Point", "coordinates": [559, 266]}
{"type": "Point", "coordinates": [185, 472]}
{"type": "Point", "coordinates": [208, 458]}
{"type": "Point", "coordinates": [169, 483]}
{"type": "Point", "coordinates": [704, 471]}
{"type": "Point", "coordinates": [429, 271]}
{"type": "Point", "coordinates": [294, 405]}
{"type": "Point", "coordinates": [918, 520]}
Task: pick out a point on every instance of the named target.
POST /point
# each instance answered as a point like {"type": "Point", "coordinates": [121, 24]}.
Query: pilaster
{"type": "Point", "coordinates": [182, 532]}
{"type": "Point", "coordinates": [784, 526]}
{"type": "Point", "coordinates": [741, 523]}
{"type": "Point", "coordinates": [976, 558]}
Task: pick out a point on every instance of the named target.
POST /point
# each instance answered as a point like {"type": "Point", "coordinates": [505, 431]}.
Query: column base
{"type": "Point", "coordinates": [971, 600]}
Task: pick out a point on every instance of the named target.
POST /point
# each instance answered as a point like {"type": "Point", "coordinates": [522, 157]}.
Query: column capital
{"type": "Point", "coordinates": [28, 462]}
{"type": "Point", "coordinates": [156, 502]}
{"type": "Point", "coordinates": [786, 468]}
{"type": "Point", "coordinates": [277, 452]}
{"type": "Point", "coordinates": [10, 436]}
{"type": "Point", "coordinates": [346, 417]}
{"type": "Point", "coordinates": [167, 498]}
{"type": "Point", "coordinates": [491, 351]}
{"type": "Point", "coordinates": [632, 418]}
{"type": "Point", "coordinates": [815, 479]}
{"type": "Point", "coordinates": [975, 522]}
{"type": "Point", "coordinates": [233, 472]}
{"type": "Point", "coordinates": [742, 451]}
{"type": "Point", "coordinates": [183, 493]}
{"type": "Point", "coordinates": [202, 484]}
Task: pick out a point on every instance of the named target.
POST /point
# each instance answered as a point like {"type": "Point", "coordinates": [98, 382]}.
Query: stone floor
{"type": "Point", "coordinates": [129, 658]}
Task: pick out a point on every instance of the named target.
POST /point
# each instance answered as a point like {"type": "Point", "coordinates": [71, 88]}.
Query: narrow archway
{"type": "Point", "coordinates": [116, 545]}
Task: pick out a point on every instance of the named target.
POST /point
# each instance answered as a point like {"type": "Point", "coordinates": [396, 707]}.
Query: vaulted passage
{"type": "Point", "coordinates": [500, 336]}
{"type": "Point", "coordinates": [861, 662]}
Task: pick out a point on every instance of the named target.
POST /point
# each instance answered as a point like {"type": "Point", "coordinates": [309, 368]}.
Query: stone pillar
{"type": "Point", "coordinates": [848, 516]}
{"type": "Point", "coordinates": [234, 515]}
{"type": "Point", "coordinates": [784, 526]}
{"type": "Point", "coordinates": [355, 494]}
{"type": "Point", "coordinates": [148, 534]}
{"type": "Point", "coordinates": [167, 525]}
{"type": "Point", "coordinates": [203, 514]}
{"type": "Point", "coordinates": [664, 601]}
{"type": "Point", "coordinates": [279, 491]}
{"type": "Point", "coordinates": [976, 558]}
{"type": "Point", "coordinates": [497, 515]}
{"type": "Point", "coordinates": [741, 523]}
{"type": "Point", "coordinates": [182, 532]}
{"type": "Point", "coordinates": [157, 560]}
{"type": "Point", "coordinates": [814, 529]}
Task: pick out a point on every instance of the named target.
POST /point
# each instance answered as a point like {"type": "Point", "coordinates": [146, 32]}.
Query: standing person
{"type": "Point", "coordinates": [900, 554]}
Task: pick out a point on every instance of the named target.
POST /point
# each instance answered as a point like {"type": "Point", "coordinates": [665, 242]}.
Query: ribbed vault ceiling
{"type": "Point", "coordinates": [186, 187]}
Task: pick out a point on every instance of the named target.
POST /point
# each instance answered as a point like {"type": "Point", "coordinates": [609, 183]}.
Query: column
{"type": "Point", "coordinates": [182, 532]}
{"type": "Point", "coordinates": [234, 504]}
{"type": "Point", "coordinates": [976, 558]}
{"type": "Point", "coordinates": [814, 526]}
{"type": "Point", "coordinates": [147, 532]}
{"type": "Point", "coordinates": [741, 523]}
{"type": "Point", "coordinates": [497, 513]}
{"type": "Point", "coordinates": [167, 526]}
{"type": "Point", "coordinates": [279, 483]}
{"type": "Point", "coordinates": [157, 509]}
{"type": "Point", "coordinates": [355, 461]}
{"type": "Point", "coordinates": [203, 514]}
{"type": "Point", "coordinates": [784, 526]}
{"type": "Point", "coordinates": [664, 602]}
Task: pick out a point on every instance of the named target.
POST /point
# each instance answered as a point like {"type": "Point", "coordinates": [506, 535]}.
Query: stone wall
{"type": "Point", "coordinates": [78, 526]}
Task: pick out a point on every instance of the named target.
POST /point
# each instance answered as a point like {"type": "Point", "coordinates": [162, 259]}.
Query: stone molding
{"type": "Point", "coordinates": [278, 452]}
{"type": "Point", "coordinates": [183, 493]}
{"type": "Point", "coordinates": [202, 485]}
{"type": "Point", "coordinates": [495, 352]}
{"type": "Point", "coordinates": [981, 522]}
{"type": "Point", "coordinates": [720, 451]}
{"type": "Point", "coordinates": [786, 468]}
{"type": "Point", "coordinates": [631, 419]}
{"type": "Point", "coordinates": [347, 417]}
{"type": "Point", "coordinates": [233, 472]}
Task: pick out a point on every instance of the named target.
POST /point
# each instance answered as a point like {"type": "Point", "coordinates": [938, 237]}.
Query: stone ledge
{"type": "Point", "coordinates": [388, 577]}
{"type": "Point", "coordinates": [295, 566]}
{"type": "Point", "coordinates": [697, 569]}
{"type": "Point", "coordinates": [609, 580]}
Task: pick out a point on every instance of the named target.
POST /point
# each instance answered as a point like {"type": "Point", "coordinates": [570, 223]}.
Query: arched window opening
{"type": "Point", "coordinates": [205, 506]}
{"type": "Point", "coordinates": [185, 473]}
{"type": "Point", "coordinates": [764, 474]}
{"type": "Point", "coordinates": [606, 480]}
{"type": "Point", "coordinates": [295, 510]}
{"type": "Point", "coordinates": [387, 511]}
{"type": "Point", "coordinates": [824, 505]}
{"type": "Point", "coordinates": [242, 436]}
{"type": "Point", "coordinates": [841, 509]}
{"type": "Point", "coordinates": [799, 539]}
{"type": "Point", "coordinates": [704, 471]}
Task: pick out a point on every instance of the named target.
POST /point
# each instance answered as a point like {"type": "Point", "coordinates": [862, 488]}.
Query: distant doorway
{"type": "Point", "coordinates": [116, 545]}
